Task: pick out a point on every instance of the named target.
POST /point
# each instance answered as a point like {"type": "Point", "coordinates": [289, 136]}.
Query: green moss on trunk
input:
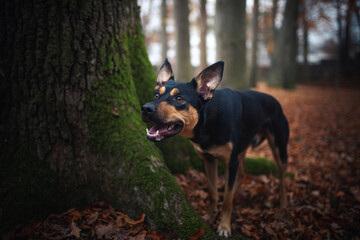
{"type": "Point", "coordinates": [137, 177]}
{"type": "Point", "coordinates": [179, 155]}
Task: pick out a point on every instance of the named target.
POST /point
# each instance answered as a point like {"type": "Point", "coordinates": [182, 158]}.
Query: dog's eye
{"type": "Point", "coordinates": [156, 96]}
{"type": "Point", "coordinates": [179, 99]}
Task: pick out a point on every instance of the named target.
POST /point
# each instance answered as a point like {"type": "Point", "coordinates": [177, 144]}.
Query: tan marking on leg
{"type": "Point", "coordinates": [174, 91]}
{"type": "Point", "coordinates": [224, 229]}
{"type": "Point", "coordinates": [222, 152]}
{"type": "Point", "coordinates": [281, 168]}
{"type": "Point", "coordinates": [211, 172]}
{"type": "Point", "coordinates": [162, 90]}
{"type": "Point", "coordinates": [241, 170]}
{"type": "Point", "coordinates": [156, 87]}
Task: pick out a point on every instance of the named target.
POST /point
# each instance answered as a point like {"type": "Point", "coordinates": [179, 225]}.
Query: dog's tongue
{"type": "Point", "coordinates": [159, 132]}
{"type": "Point", "coordinates": [158, 127]}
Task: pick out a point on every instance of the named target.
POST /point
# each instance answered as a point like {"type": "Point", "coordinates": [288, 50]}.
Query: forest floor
{"type": "Point", "coordinates": [323, 195]}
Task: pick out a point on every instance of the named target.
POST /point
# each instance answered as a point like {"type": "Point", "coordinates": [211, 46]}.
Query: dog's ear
{"type": "Point", "coordinates": [165, 73]}
{"type": "Point", "coordinates": [209, 79]}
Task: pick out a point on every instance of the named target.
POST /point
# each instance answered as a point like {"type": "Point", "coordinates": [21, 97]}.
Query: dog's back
{"type": "Point", "coordinates": [239, 117]}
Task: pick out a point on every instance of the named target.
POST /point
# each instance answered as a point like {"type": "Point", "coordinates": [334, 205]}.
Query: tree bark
{"type": "Point", "coordinates": [283, 69]}
{"type": "Point", "coordinates": [230, 24]}
{"type": "Point", "coordinates": [274, 13]}
{"type": "Point", "coordinates": [254, 47]}
{"type": "Point", "coordinates": [346, 41]}
{"type": "Point", "coordinates": [70, 126]}
{"type": "Point", "coordinates": [183, 67]}
{"type": "Point", "coordinates": [274, 29]}
{"type": "Point", "coordinates": [305, 33]}
{"type": "Point", "coordinates": [203, 33]}
{"type": "Point", "coordinates": [339, 48]}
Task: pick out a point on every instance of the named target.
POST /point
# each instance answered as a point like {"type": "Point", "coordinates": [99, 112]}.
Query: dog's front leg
{"type": "Point", "coordinates": [231, 180]}
{"type": "Point", "coordinates": [211, 171]}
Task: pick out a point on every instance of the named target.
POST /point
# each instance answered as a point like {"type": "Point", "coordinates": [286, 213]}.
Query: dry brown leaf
{"type": "Point", "coordinates": [92, 218]}
{"type": "Point", "coordinates": [141, 235]}
{"type": "Point", "coordinates": [154, 236]}
{"type": "Point", "coordinates": [133, 222]}
{"type": "Point", "coordinates": [198, 234]}
{"type": "Point", "coordinates": [104, 231]}
{"type": "Point", "coordinates": [270, 231]}
{"type": "Point", "coordinates": [115, 111]}
{"type": "Point", "coordinates": [75, 230]}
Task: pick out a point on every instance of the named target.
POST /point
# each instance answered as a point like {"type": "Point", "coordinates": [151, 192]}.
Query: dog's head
{"type": "Point", "coordinates": [175, 107]}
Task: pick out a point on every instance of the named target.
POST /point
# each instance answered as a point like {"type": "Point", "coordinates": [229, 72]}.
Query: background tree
{"type": "Point", "coordinates": [305, 30]}
{"type": "Point", "coordinates": [230, 25]}
{"type": "Point", "coordinates": [183, 67]}
{"type": "Point", "coordinates": [283, 65]}
{"type": "Point", "coordinates": [203, 33]}
{"type": "Point", "coordinates": [254, 47]}
{"type": "Point", "coordinates": [70, 124]}
{"type": "Point", "coordinates": [274, 11]}
{"type": "Point", "coordinates": [164, 38]}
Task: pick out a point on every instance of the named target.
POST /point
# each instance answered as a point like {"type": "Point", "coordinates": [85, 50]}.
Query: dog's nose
{"type": "Point", "coordinates": [148, 108]}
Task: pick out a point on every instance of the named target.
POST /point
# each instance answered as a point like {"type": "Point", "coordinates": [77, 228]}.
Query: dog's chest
{"type": "Point", "coordinates": [221, 152]}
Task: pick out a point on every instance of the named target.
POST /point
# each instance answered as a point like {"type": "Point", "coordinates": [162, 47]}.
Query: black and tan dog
{"type": "Point", "coordinates": [221, 125]}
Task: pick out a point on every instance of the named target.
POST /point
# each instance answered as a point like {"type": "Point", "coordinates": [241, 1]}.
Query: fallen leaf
{"type": "Point", "coordinates": [270, 231]}
{"type": "Point", "coordinates": [133, 222]}
{"type": "Point", "coordinates": [141, 235]}
{"type": "Point", "coordinates": [340, 194]}
{"type": "Point", "coordinates": [104, 231]}
{"type": "Point", "coordinates": [115, 111]}
{"type": "Point", "coordinates": [154, 236]}
{"type": "Point", "coordinates": [93, 218]}
{"type": "Point", "coordinates": [75, 230]}
{"type": "Point", "coordinates": [198, 234]}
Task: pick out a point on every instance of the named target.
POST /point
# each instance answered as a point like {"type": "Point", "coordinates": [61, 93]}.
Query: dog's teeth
{"type": "Point", "coordinates": [157, 133]}
{"type": "Point", "coordinates": [171, 127]}
{"type": "Point", "coordinates": [147, 131]}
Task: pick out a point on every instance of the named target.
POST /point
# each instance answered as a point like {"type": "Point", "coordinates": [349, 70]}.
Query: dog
{"type": "Point", "coordinates": [221, 125]}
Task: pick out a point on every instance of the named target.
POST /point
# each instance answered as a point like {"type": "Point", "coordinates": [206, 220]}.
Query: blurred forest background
{"type": "Point", "coordinates": [74, 74]}
{"type": "Point", "coordinates": [277, 41]}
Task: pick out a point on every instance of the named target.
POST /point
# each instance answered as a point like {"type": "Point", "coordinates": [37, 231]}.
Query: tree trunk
{"type": "Point", "coordinates": [274, 29]}
{"type": "Point", "coordinates": [70, 126]}
{"type": "Point", "coordinates": [203, 33]}
{"type": "Point", "coordinates": [254, 44]}
{"type": "Point", "coordinates": [283, 69]}
{"type": "Point", "coordinates": [183, 67]}
{"type": "Point", "coordinates": [347, 38]}
{"type": "Point", "coordinates": [164, 38]}
{"type": "Point", "coordinates": [339, 48]}
{"type": "Point", "coordinates": [230, 24]}
{"type": "Point", "coordinates": [274, 14]}
{"type": "Point", "coordinates": [305, 29]}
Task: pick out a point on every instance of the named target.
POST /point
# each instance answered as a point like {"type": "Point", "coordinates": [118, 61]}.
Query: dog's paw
{"type": "Point", "coordinates": [224, 231]}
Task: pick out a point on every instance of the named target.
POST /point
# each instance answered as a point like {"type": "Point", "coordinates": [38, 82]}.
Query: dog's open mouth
{"type": "Point", "coordinates": [159, 132]}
